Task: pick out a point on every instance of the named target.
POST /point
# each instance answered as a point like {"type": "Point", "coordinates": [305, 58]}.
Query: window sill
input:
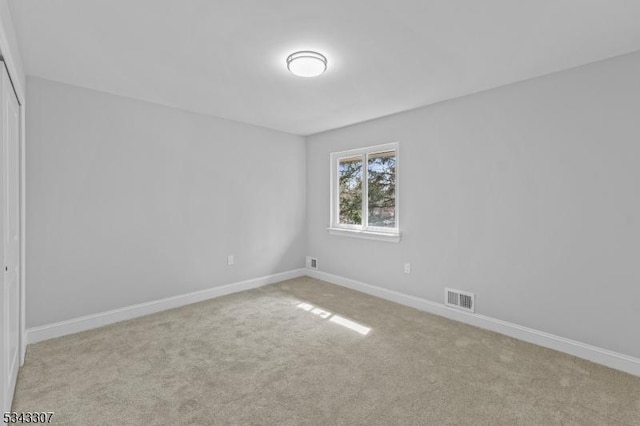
{"type": "Point", "coordinates": [368, 235]}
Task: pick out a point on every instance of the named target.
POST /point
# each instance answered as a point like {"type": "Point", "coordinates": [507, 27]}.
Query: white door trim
{"type": "Point", "coordinates": [23, 228]}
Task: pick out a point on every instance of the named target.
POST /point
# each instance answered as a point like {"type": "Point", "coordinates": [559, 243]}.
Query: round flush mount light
{"type": "Point", "coordinates": [306, 63]}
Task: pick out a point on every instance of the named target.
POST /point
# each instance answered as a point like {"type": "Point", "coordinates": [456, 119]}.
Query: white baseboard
{"type": "Point", "coordinates": [595, 354]}
{"type": "Point", "coordinates": [75, 325]}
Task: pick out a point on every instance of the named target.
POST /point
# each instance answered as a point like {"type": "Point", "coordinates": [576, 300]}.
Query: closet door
{"type": "Point", "coordinates": [11, 239]}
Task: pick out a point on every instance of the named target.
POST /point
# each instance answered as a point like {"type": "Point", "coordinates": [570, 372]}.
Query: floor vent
{"type": "Point", "coordinates": [312, 262]}
{"type": "Point", "coordinates": [459, 299]}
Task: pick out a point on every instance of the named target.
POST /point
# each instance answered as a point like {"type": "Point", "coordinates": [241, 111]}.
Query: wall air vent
{"type": "Point", "coordinates": [459, 299]}
{"type": "Point", "coordinates": [312, 262]}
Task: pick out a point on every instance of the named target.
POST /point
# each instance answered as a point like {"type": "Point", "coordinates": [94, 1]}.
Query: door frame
{"type": "Point", "coordinates": [11, 57]}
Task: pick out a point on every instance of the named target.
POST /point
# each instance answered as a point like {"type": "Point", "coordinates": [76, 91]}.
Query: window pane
{"type": "Point", "coordinates": [350, 176]}
{"type": "Point", "coordinates": [381, 172]}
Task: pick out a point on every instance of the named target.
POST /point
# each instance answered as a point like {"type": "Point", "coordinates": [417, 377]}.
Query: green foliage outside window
{"type": "Point", "coordinates": [381, 188]}
{"type": "Point", "coordinates": [350, 172]}
{"type": "Point", "coordinates": [381, 176]}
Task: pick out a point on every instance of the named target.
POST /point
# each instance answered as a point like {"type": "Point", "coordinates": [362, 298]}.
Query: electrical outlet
{"type": "Point", "coordinates": [407, 268]}
{"type": "Point", "coordinates": [230, 260]}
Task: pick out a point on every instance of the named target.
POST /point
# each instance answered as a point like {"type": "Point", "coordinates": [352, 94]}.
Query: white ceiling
{"type": "Point", "coordinates": [227, 57]}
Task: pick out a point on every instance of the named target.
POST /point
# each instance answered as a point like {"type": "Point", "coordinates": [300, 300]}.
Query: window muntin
{"type": "Point", "coordinates": [364, 190]}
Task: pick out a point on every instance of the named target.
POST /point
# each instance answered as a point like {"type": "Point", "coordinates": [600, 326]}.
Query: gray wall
{"type": "Point", "coordinates": [526, 195]}
{"type": "Point", "coordinates": [129, 202]}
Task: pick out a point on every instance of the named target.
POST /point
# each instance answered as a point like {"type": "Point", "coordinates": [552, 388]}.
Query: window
{"type": "Point", "coordinates": [364, 193]}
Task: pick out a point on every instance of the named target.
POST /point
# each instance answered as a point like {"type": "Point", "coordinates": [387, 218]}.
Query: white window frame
{"type": "Point", "coordinates": [364, 230]}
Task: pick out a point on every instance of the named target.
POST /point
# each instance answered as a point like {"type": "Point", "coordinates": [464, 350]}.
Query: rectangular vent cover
{"type": "Point", "coordinates": [459, 299]}
{"type": "Point", "coordinates": [312, 262]}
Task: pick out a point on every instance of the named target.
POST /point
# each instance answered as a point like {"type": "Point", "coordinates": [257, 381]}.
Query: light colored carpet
{"type": "Point", "coordinates": [263, 357]}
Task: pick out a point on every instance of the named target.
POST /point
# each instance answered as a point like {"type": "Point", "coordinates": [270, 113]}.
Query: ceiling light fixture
{"type": "Point", "coordinates": [306, 63]}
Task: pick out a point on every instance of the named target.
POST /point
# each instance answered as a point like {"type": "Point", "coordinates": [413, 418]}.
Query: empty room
{"type": "Point", "coordinates": [320, 213]}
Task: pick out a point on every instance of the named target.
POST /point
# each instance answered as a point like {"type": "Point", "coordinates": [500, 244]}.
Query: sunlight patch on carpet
{"type": "Point", "coordinates": [336, 319]}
